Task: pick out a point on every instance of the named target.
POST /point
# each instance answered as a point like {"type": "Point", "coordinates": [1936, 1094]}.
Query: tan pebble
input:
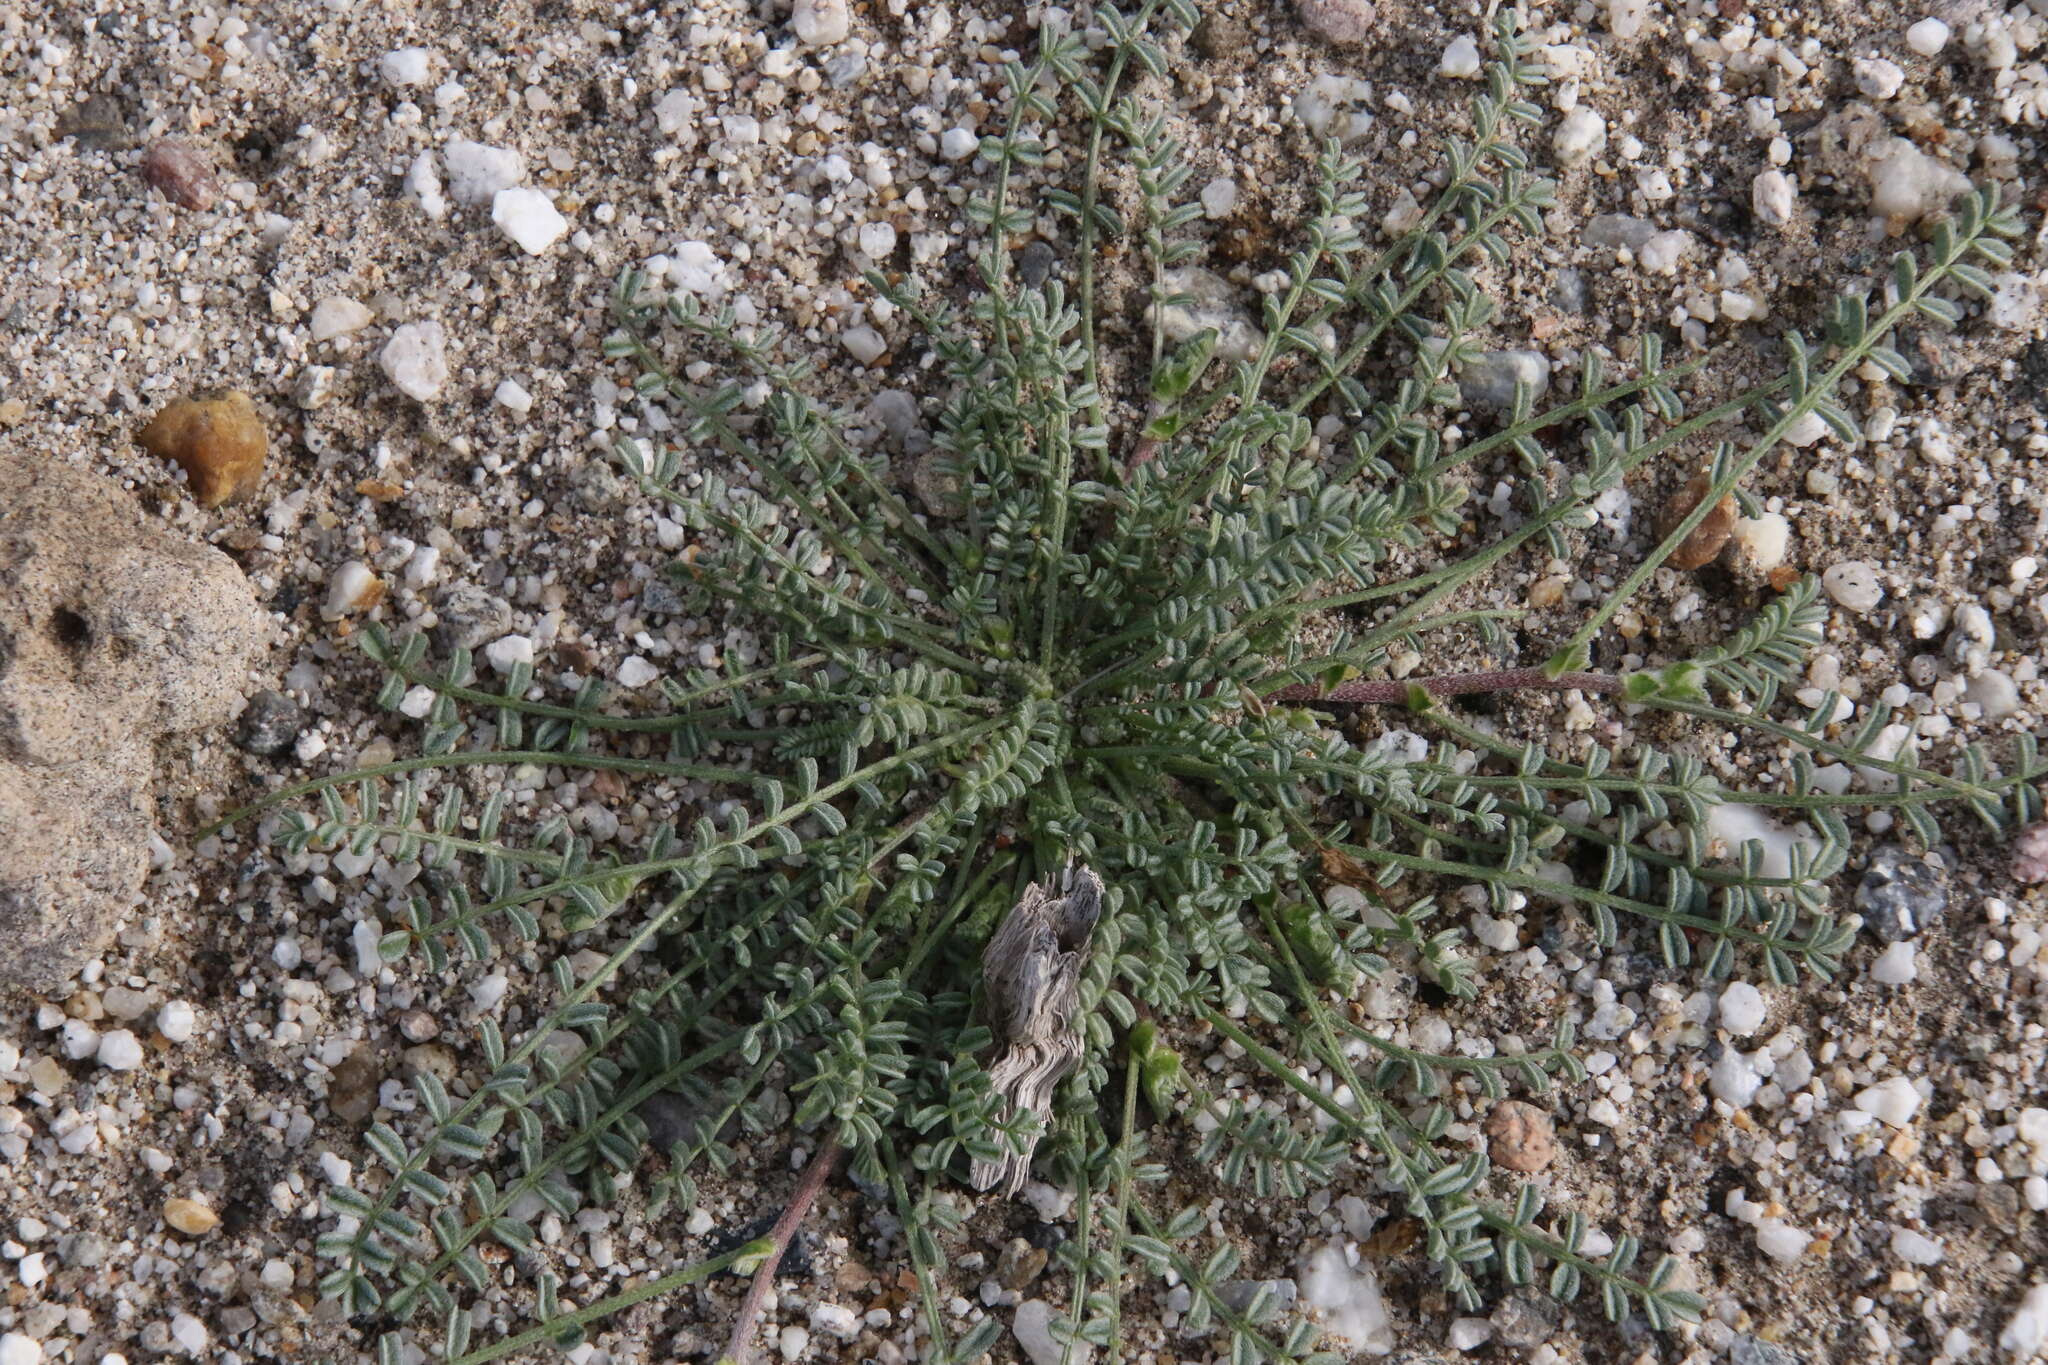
{"type": "Point", "coordinates": [1520, 1137]}
{"type": "Point", "coordinates": [85, 1005]}
{"type": "Point", "coordinates": [418, 1025]}
{"type": "Point", "coordinates": [217, 439]}
{"type": "Point", "coordinates": [1547, 592]}
{"type": "Point", "coordinates": [13, 413]}
{"type": "Point", "coordinates": [190, 1217]}
{"type": "Point", "coordinates": [1707, 538]}
{"type": "Point", "coordinates": [181, 172]}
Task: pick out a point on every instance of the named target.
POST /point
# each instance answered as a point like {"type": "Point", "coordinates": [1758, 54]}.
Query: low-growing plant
{"type": "Point", "coordinates": [1121, 636]}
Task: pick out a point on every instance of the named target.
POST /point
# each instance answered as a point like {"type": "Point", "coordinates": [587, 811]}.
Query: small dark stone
{"type": "Point", "coordinates": [1047, 1235]}
{"type": "Point", "coordinates": [1748, 1350]}
{"type": "Point", "coordinates": [1524, 1320]}
{"type": "Point", "coordinates": [660, 598]}
{"type": "Point", "coordinates": [670, 1119]}
{"type": "Point", "coordinates": [95, 121]}
{"type": "Point", "coordinates": [1035, 263]}
{"type": "Point", "coordinates": [1902, 892]}
{"type": "Point", "coordinates": [269, 724]}
{"type": "Point", "coordinates": [469, 618]}
{"type": "Point", "coordinates": [796, 1262]}
{"type": "Point", "coordinates": [1568, 295]}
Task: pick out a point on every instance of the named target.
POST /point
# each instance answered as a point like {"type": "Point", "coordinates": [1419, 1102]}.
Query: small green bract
{"type": "Point", "coordinates": [1124, 630]}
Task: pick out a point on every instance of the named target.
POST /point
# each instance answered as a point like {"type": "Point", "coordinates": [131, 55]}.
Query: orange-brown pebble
{"type": "Point", "coordinates": [1520, 1137]}
{"type": "Point", "coordinates": [1709, 536]}
{"type": "Point", "coordinates": [190, 1217]}
{"type": "Point", "coordinates": [217, 439]}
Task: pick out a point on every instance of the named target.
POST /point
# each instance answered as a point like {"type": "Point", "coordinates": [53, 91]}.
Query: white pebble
{"type": "Point", "coordinates": [957, 144]}
{"type": "Point", "coordinates": [1742, 1009]}
{"type": "Point", "coordinates": [1893, 1102]}
{"type": "Point", "coordinates": [863, 343]}
{"type": "Point", "coordinates": [1761, 542]}
{"type": "Point", "coordinates": [1878, 78]}
{"type": "Point", "coordinates": [820, 22]}
{"type": "Point", "coordinates": [2026, 1331]}
{"type": "Point", "coordinates": [529, 218]}
{"type": "Point", "coordinates": [338, 316]}
{"type": "Point", "coordinates": [190, 1333]}
{"type": "Point", "coordinates": [352, 588]}
{"type": "Point", "coordinates": [16, 1349]}
{"type": "Point", "coordinates": [511, 394]}
{"type": "Point", "coordinates": [1219, 196]}
{"type": "Point", "coordinates": [486, 993]}
{"type": "Point", "coordinates": [177, 1022]}
{"type": "Point", "coordinates": [1662, 253]}
{"type": "Point", "coordinates": [1781, 1241]}
{"type": "Point", "coordinates": [1468, 1334]}
{"type": "Point", "coordinates": [406, 66]}
{"type": "Point", "coordinates": [1580, 136]}
{"type": "Point", "coordinates": [416, 359]}
{"type": "Point", "coordinates": [287, 954]}
{"type": "Point", "coordinates": [876, 240]}
{"type": "Point", "coordinates": [1895, 965]}
{"type": "Point", "coordinates": [637, 672]}
{"type": "Point", "coordinates": [78, 1039]}
{"type": "Point", "coordinates": [477, 171]}
{"type": "Point", "coordinates": [423, 187]}
{"type": "Point", "coordinates": [1772, 196]}
{"type": "Point", "coordinates": [1927, 37]}
{"type": "Point", "coordinates": [1854, 585]}
{"type": "Point", "coordinates": [507, 651]}
{"type": "Point", "coordinates": [119, 1051]}
{"type": "Point", "coordinates": [835, 1320]}
{"type": "Point", "coordinates": [1460, 60]}
{"type": "Point", "coordinates": [1733, 1079]}
{"type": "Point", "coordinates": [792, 1342]}
{"type": "Point", "coordinates": [1915, 1248]}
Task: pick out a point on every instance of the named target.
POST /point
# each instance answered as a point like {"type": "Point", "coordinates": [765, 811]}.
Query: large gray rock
{"type": "Point", "coordinates": [113, 634]}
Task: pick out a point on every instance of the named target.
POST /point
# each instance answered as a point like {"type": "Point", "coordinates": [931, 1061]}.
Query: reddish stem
{"type": "Point", "coordinates": [782, 1234]}
{"type": "Point", "coordinates": [1397, 691]}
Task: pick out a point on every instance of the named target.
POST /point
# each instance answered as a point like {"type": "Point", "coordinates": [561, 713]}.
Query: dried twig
{"type": "Point", "coordinates": [1032, 972]}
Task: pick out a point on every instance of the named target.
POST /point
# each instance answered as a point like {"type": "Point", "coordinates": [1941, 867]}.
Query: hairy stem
{"type": "Point", "coordinates": [1399, 691]}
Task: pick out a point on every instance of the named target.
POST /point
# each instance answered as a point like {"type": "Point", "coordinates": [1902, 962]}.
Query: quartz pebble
{"type": "Point", "coordinates": [1580, 136]}
{"type": "Point", "coordinates": [190, 1217]}
{"type": "Point", "coordinates": [119, 1051]}
{"type": "Point", "coordinates": [19, 1349]}
{"type": "Point", "coordinates": [1772, 196]}
{"type": "Point", "coordinates": [353, 588]}
{"type": "Point", "coordinates": [217, 439]}
{"type": "Point", "coordinates": [1854, 585]}
{"type": "Point", "coordinates": [1761, 543]}
{"type": "Point", "coordinates": [416, 359]}
{"type": "Point", "coordinates": [1337, 21]}
{"type": "Point", "coordinates": [1780, 1240]}
{"type": "Point", "coordinates": [181, 172]}
{"type": "Point", "coordinates": [1927, 37]}
{"type": "Point", "coordinates": [1460, 60]}
{"type": "Point", "coordinates": [820, 23]}
{"type": "Point", "coordinates": [529, 218]}
{"type": "Point", "coordinates": [1742, 1009]}
{"type": "Point", "coordinates": [477, 171]}
{"type": "Point", "coordinates": [338, 316]}
{"type": "Point", "coordinates": [512, 396]}
{"type": "Point", "coordinates": [863, 343]}
{"type": "Point", "coordinates": [1892, 1102]}
{"type": "Point", "coordinates": [176, 1021]}
{"type": "Point", "coordinates": [406, 66]}
{"type": "Point", "coordinates": [1895, 966]}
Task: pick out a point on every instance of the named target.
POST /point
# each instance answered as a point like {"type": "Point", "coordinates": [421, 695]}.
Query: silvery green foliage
{"type": "Point", "coordinates": [1075, 658]}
